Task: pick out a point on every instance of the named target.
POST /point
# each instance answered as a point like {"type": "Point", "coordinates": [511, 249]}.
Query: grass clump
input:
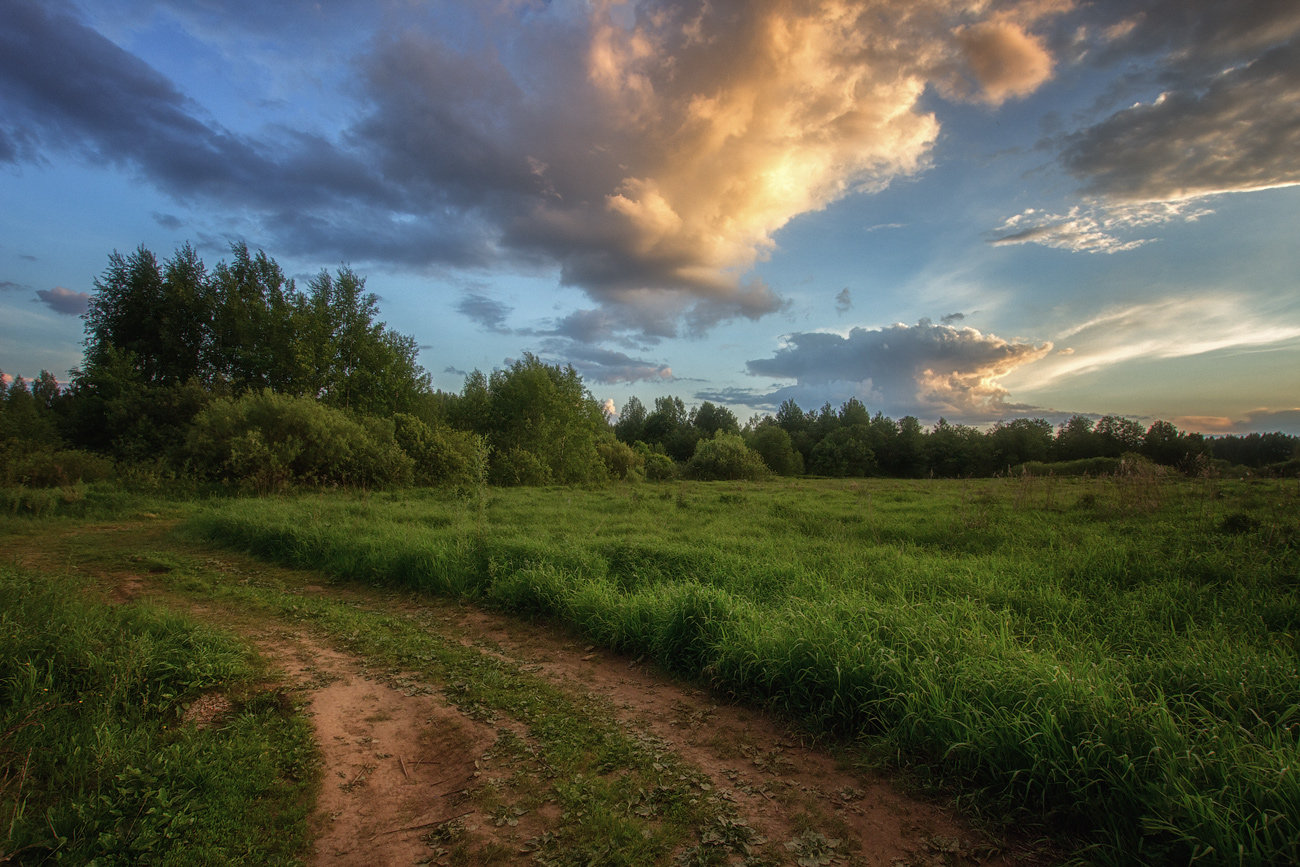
{"type": "Point", "coordinates": [96, 762]}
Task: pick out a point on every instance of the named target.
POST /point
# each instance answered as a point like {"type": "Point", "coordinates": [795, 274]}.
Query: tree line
{"type": "Point", "coordinates": [234, 374]}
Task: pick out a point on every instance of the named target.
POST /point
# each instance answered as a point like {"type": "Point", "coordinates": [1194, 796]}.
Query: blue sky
{"type": "Point", "coordinates": [976, 210]}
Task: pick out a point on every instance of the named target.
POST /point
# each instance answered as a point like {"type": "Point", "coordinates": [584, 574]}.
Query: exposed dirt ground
{"type": "Point", "coordinates": [402, 765]}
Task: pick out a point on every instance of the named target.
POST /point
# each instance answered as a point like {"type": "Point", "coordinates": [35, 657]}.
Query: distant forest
{"type": "Point", "coordinates": [234, 374]}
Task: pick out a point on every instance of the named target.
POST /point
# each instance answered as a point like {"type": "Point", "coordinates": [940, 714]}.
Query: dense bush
{"type": "Point", "coordinates": [844, 452]}
{"type": "Point", "coordinates": [519, 466]}
{"type": "Point", "coordinates": [777, 450]}
{"type": "Point", "coordinates": [269, 441]}
{"type": "Point", "coordinates": [659, 468]}
{"type": "Point", "coordinates": [50, 468]}
{"type": "Point", "coordinates": [725, 457]}
{"type": "Point", "coordinates": [442, 456]}
{"type": "Point", "coordinates": [621, 460]}
{"type": "Point", "coordinates": [1081, 467]}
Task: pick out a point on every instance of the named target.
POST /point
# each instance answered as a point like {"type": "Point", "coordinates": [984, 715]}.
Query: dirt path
{"type": "Point", "coordinates": [407, 774]}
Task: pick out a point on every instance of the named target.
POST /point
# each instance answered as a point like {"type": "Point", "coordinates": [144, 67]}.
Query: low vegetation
{"type": "Point", "coordinates": [1114, 659]}
{"type": "Point", "coordinates": [98, 762]}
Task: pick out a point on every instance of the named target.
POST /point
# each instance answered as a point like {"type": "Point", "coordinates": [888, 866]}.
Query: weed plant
{"type": "Point", "coordinates": [1115, 658]}
{"type": "Point", "coordinates": [96, 763]}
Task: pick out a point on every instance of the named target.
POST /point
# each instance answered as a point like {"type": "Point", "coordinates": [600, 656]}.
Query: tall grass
{"type": "Point", "coordinates": [96, 765]}
{"type": "Point", "coordinates": [1120, 664]}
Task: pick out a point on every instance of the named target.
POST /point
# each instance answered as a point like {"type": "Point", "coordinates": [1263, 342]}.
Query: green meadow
{"type": "Point", "coordinates": [1111, 660]}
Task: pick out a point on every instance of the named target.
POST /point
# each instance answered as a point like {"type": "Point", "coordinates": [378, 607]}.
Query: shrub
{"type": "Point", "coordinates": [519, 467]}
{"type": "Point", "coordinates": [776, 448]}
{"type": "Point", "coordinates": [269, 440]}
{"type": "Point", "coordinates": [52, 468]}
{"type": "Point", "coordinates": [442, 456]}
{"type": "Point", "coordinates": [621, 460]}
{"type": "Point", "coordinates": [844, 452]}
{"type": "Point", "coordinates": [660, 468]}
{"type": "Point", "coordinates": [725, 458]}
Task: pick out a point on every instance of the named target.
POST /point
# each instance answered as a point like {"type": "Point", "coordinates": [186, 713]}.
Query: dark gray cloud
{"type": "Point", "coordinates": [455, 371]}
{"type": "Point", "coordinates": [1234, 131]}
{"type": "Point", "coordinates": [489, 314]}
{"type": "Point", "coordinates": [168, 221]}
{"type": "Point", "coordinates": [605, 365]}
{"type": "Point", "coordinates": [578, 141]}
{"type": "Point", "coordinates": [951, 318]}
{"type": "Point", "coordinates": [1266, 420]}
{"type": "Point", "coordinates": [924, 369]}
{"type": "Point", "coordinates": [11, 286]}
{"type": "Point", "coordinates": [1208, 97]}
{"type": "Point", "coordinates": [843, 301]}
{"type": "Point", "coordinates": [64, 301]}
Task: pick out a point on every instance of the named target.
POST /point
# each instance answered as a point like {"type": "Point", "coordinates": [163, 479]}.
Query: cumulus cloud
{"type": "Point", "coordinates": [650, 150]}
{"type": "Point", "coordinates": [1005, 60]}
{"type": "Point", "coordinates": [64, 301]}
{"type": "Point", "coordinates": [924, 369]}
{"type": "Point", "coordinates": [1238, 132]}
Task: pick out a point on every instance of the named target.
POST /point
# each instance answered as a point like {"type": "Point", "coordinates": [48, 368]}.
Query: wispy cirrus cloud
{"type": "Point", "coordinates": [1166, 328]}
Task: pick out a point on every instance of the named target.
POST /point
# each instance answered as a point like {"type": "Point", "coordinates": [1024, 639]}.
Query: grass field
{"type": "Point", "coordinates": [1113, 658]}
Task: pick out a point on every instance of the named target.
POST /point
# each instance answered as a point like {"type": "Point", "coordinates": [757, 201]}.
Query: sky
{"type": "Point", "coordinates": [969, 210]}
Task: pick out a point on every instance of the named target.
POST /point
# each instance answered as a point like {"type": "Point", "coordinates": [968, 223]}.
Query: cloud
{"type": "Point", "coordinates": [649, 151]}
{"type": "Point", "coordinates": [606, 365]}
{"type": "Point", "coordinates": [843, 301]}
{"type": "Point", "coordinates": [924, 369]}
{"type": "Point", "coordinates": [1174, 327]}
{"type": "Point", "coordinates": [11, 286]}
{"type": "Point", "coordinates": [1270, 420]}
{"type": "Point", "coordinates": [64, 301]}
{"type": "Point", "coordinates": [951, 318]}
{"type": "Point", "coordinates": [1239, 131]}
{"type": "Point", "coordinates": [489, 314]}
{"type": "Point", "coordinates": [168, 221]}
{"type": "Point", "coordinates": [1005, 60]}
{"type": "Point", "coordinates": [1095, 229]}
{"type": "Point", "coordinates": [1218, 112]}
{"type": "Point", "coordinates": [455, 371]}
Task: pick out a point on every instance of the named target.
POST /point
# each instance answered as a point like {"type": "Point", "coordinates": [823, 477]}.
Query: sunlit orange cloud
{"type": "Point", "coordinates": [1206, 424]}
{"type": "Point", "coordinates": [745, 116]}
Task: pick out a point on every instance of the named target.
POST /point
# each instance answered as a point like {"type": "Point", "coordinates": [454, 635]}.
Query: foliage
{"type": "Point", "coordinates": [441, 455]}
{"type": "Point", "coordinates": [542, 423]}
{"type": "Point", "coordinates": [843, 452]}
{"type": "Point", "coordinates": [725, 457]}
{"type": "Point", "coordinates": [245, 327]}
{"type": "Point", "coordinates": [621, 460]}
{"type": "Point", "coordinates": [269, 441]}
{"type": "Point", "coordinates": [776, 449]}
{"type": "Point", "coordinates": [30, 465]}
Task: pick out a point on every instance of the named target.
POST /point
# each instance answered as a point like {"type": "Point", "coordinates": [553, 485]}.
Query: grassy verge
{"type": "Point", "coordinates": [1116, 658]}
{"type": "Point", "coordinates": [96, 762]}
